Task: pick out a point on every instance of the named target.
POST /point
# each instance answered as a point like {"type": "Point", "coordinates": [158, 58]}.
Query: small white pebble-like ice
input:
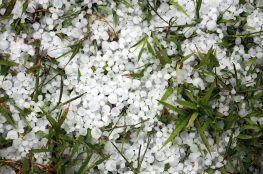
{"type": "Point", "coordinates": [211, 25]}
{"type": "Point", "coordinates": [114, 45]}
{"type": "Point", "coordinates": [96, 133]}
{"type": "Point", "coordinates": [12, 135]}
{"type": "Point", "coordinates": [21, 76]}
{"type": "Point", "coordinates": [7, 85]}
{"type": "Point", "coordinates": [4, 44]}
{"type": "Point", "coordinates": [115, 111]}
{"type": "Point", "coordinates": [81, 43]}
{"type": "Point", "coordinates": [113, 98]}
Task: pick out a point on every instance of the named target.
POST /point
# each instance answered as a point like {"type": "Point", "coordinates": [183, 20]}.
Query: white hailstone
{"type": "Point", "coordinates": [106, 109]}
{"type": "Point", "coordinates": [12, 135]}
{"type": "Point", "coordinates": [119, 91]}
{"type": "Point", "coordinates": [36, 26]}
{"type": "Point", "coordinates": [25, 143]}
{"type": "Point", "coordinates": [104, 36]}
{"type": "Point", "coordinates": [233, 91]}
{"type": "Point", "coordinates": [238, 41]}
{"type": "Point", "coordinates": [211, 25]}
{"type": "Point", "coordinates": [170, 52]}
{"type": "Point", "coordinates": [21, 149]}
{"type": "Point", "coordinates": [136, 104]}
{"type": "Point", "coordinates": [167, 76]}
{"type": "Point", "coordinates": [136, 20]}
{"type": "Point", "coordinates": [4, 44]}
{"type": "Point", "coordinates": [114, 45]}
{"type": "Point", "coordinates": [112, 98]}
{"type": "Point", "coordinates": [115, 111]}
{"type": "Point", "coordinates": [21, 76]}
{"type": "Point", "coordinates": [136, 83]}
{"type": "Point", "coordinates": [110, 165]}
{"type": "Point", "coordinates": [96, 133]}
{"type": "Point", "coordinates": [54, 16]}
{"type": "Point", "coordinates": [189, 32]}
{"type": "Point", "coordinates": [83, 131]}
{"type": "Point", "coordinates": [7, 85]}
{"type": "Point", "coordinates": [129, 153]}
{"type": "Point", "coordinates": [94, 106]}
{"type": "Point", "coordinates": [148, 84]}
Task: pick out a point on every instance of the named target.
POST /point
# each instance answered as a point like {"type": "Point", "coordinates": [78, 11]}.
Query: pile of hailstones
{"type": "Point", "coordinates": [108, 94]}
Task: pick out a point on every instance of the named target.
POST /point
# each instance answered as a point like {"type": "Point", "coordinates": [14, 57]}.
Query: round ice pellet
{"type": "Point", "coordinates": [7, 85]}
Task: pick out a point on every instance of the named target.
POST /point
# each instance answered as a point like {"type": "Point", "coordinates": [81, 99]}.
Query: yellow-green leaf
{"type": "Point", "coordinates": [192, 119]}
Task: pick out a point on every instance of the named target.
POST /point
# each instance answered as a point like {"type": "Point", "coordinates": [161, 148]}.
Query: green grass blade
{"type": "Point", "coordinates": [156, 41]}
{"type": "Point", "coordinates": [51, 120]}
{"type": "Point", "coordinates": [76, 48]}
{"type": "Point", "coordinates": [202, 135]}
{"type": "Point", "coordinates": [208, 94]}
{"type": "Point", "coordinates": [9, 8]}
{"type": "Point", "coordinates": [197, 8]}
{"type": "Point", "coordinates": [173, 108]}
{"type": "Point", "coordinates": [5, 142]}
{"type": "Point", "coordinates": [140, 42]}
{"type": "Point", "coordinates": [97, 162]}
{"type": "Point", "coordinates": [141, 51]}
{"type": "Point", "coordinates": [126, 3]}
{"type": "Point", "coordinates": [105, 8]}
{"type": "Point", "coordinates": [6, 113]}
{"type": "Point", "coordinates": [179, 7]}
{"type": "Point", "coordinates": [6, 62]}
{"type": "Point", "coordinates": [74, 149]}
{"type": "Point", "coordinates": [79, 74]}
{"type": "Point", "coordinates": [150, 48]}
{"type": "Point", "coordinates": [25, 165]}
{"type": "Point", "coordinates": [61, 89]}
{"type": "Point", "coordinates": [68, 101]}
{"type": "Point", "coordinates": [180, 125]}
{"type": "Point", "coordinates": [189, 95]}
{"type": "Point", "coordinates": [169, 91]}
{"type": "Point", "coordinates": [251, 127]}
{"type": "Point", "coordinates": [141, 160]}
{"type": "Point", "coordinates": [186, 57]}
{"type": "Point", "coordinates": [64, 54]}
{"type": "Point", "coordinates": [115, 17]}
{"type": "Point", "coordinates": [187, 104]}
{"type": "Point", "coordinates": [164, 59]}
{"type": "Point", "coordinates": [249, 137]}
{"type": "Point", "coordinates": [138, 160]}
{"type": "Point", "coordinates": [25, 5]}
{"type": "Point", "coordinates": [63, 117]}
{"type": "Point", "coordinates": [192, 119]}
{"type": "Point", "coordinates": [40, 150]}
{"type": "Point", "coordinates": [84, 164]}
{"type": "Point", "coordinates": [127, 161]}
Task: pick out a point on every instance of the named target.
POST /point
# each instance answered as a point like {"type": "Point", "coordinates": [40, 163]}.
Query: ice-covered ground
{"type": "Point", "coordinates": [114, 102]}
